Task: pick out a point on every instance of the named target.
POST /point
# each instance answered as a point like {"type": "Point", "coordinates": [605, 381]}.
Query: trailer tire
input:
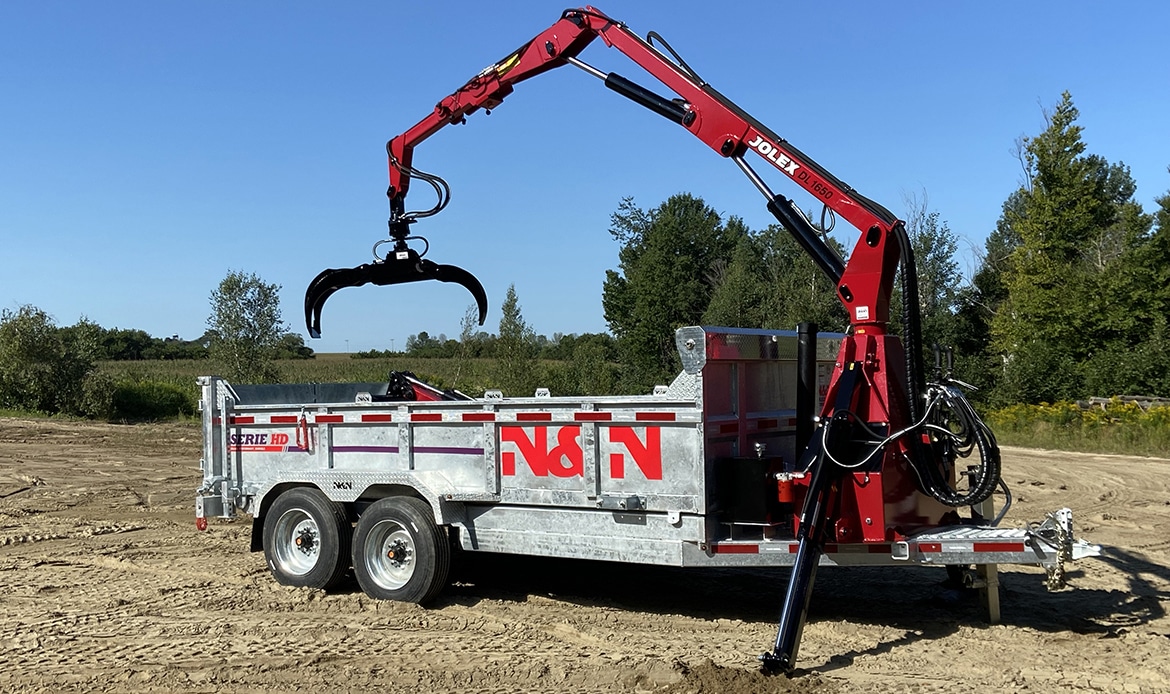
{"type": "Point", "coordinates": [307, 539]}
{"type": "Point", "coordinates": [398, 551]}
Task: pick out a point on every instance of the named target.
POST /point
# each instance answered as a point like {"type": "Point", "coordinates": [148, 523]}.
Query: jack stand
{"type": "Point", "coordinates": [988, 574]}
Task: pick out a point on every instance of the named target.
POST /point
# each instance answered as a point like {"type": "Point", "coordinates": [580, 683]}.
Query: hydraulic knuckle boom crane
{"type": "Point", "coordinates": [880, 416]}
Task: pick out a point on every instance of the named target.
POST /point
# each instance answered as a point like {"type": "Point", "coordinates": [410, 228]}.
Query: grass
{"type": "Point", "coordinates": [1118, 427]}
{"type": "Point", "coordinates": [470, 375]}
{"type": "Point", "coordinates": [24, 414]}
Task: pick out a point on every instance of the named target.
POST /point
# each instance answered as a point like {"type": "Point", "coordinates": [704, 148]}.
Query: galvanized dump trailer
{"type": "Point", "coordinates": [704, 472]}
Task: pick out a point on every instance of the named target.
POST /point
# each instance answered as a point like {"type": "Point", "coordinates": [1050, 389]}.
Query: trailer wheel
{"type": "Point", "coordinates": [307, 539]}
{"type": "Point", "coordinates": [398, 551]}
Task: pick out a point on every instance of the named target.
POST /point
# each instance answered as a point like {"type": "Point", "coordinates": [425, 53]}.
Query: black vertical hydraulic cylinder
{"type": "Point", "coordinates": [814, 517]}
{"type": "Point", "coordinates": [806, 384]}
{"type": "Point", "coordinates": [804, 569]}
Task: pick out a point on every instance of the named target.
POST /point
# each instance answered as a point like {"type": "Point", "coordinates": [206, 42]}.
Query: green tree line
{"type": "Point", "coordinates": [521, 360]}
{"type": "Point", "coordinates": [55, 369]}
{"type": "Point", "coordinates": [485, 345]}
{"type": "Point", "coordinates": [128, 344]}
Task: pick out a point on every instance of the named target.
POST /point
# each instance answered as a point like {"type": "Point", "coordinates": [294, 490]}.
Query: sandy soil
{"type": "Point", "coordinates": [105, 585]}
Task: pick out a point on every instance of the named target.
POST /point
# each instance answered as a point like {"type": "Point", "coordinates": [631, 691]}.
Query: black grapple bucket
{"type": "Point", "coordinates": [401, 266]}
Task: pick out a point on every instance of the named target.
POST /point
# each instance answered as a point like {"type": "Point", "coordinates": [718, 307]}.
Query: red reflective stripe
{"type": "Point", "coordinates": [792, 421]}
{"type": "Point", "coordinates": [243, 420]}
{"type": "Point", "coordinates": [377, 418]}
{"type": "Point", "coordinates": [533, 416]}
{"type": "Point", "coordinates": [929, 547]}
{"type": "Point", "coordinates": [737, 549]}
{"type": "Point", "coordinates": [767, 424]}
{"type": "Point", "coordinates": [793, 548]}
{"type": "Point", "coordinates": [329, 419]}
{"type": "Point", "coordinates": [857, 548]}
{"type": "Point", "coordinates": [216, 421]}
{"type": "Point", "coordinates": [654, 417]}
{"type": "Point", "coordinates": [592, 416]}
{"type": "Point", "coordinates": [479, 416]}
{"type": "Point", "coordinates": [427, 417]}
{"type": "Point", "coordinates": [283, 419]}
{"type": "Point", "coordinates": [998, 546]}
{"type": "Point", "coordinates": [729, 428]}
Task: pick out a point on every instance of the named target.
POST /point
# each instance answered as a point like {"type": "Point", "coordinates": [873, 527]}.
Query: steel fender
{"type": "Point", "coordinates": [347, 487]}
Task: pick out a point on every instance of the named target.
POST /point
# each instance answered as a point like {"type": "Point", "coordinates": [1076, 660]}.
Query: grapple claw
{"type": "Point", "coordinates": [399, 267]}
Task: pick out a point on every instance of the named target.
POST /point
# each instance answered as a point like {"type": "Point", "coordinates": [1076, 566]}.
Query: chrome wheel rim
{"type": "Point", "coordinates": [298, 542]}
{"type": "Point", "coordinates": [390, 554]}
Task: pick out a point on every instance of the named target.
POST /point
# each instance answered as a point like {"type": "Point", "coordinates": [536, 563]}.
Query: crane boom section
{"type": "Point", "coordinates": [724, 127]}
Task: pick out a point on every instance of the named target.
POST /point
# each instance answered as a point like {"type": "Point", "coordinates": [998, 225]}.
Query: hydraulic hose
{"type": "Point", "coordinates": [949, 406]}
{"type": "Point", "coordinates": [911, 320]}
{"type": "Point", "coordinates": [973, 434]}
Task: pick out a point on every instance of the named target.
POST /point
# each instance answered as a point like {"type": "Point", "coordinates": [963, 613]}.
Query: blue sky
{"type": "Point", "coordinates": [147, 148]}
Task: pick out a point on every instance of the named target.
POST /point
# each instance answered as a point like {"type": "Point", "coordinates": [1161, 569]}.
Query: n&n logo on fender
{"type": "Point", "coordinates": [564, 457]}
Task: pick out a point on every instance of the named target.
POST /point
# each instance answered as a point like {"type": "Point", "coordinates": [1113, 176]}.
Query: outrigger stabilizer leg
{"type": "Point", "coordinates": [810, 537]}
{"type": "Point", "coordinates": [810, 540]}
{"type": "Point", "coordinates": [403, 264]}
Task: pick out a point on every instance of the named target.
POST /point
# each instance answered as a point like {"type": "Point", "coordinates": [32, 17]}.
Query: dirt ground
{"type": "Point", "coordinates": [106, 585]}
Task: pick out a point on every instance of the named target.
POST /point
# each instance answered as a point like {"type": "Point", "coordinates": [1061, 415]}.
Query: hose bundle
{"type": "Point", "coordinates": [955, 428]}
{"type": "Point", "coordinates": [956, 431]}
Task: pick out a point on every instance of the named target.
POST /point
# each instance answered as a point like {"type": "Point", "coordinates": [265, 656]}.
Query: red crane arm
{"type": "Point", "coordinates": [486, 90]}
{"type": "Point", "coordinates": [864, 286]}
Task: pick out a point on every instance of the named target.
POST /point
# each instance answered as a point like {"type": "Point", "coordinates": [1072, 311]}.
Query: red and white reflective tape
{"type": "Point", "coordinates": [878, 548]}
{"type": "Point", "coordinates": [450, 417]}
{"type": "Point", "coordinates": [975, 547]}
{"type": "Point", "coordinates": [769, 423]}
{"type": "Point", "coordinates": [724, 548]}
